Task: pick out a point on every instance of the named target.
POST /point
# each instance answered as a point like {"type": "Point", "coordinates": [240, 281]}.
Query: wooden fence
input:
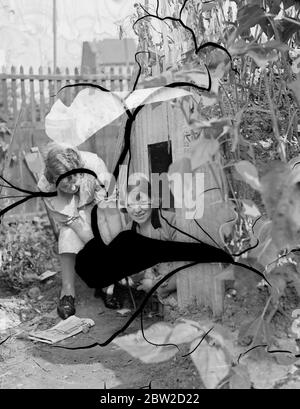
{"type": "Point", "coordinates": [35, 92]}
{"type": "Point", "coordinates": [25, 100]}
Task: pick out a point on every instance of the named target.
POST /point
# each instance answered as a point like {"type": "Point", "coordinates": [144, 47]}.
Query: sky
{"type": "Point", "coordinates": [27, 36]}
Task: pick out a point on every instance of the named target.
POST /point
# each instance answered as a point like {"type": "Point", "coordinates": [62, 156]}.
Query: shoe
{"type": "Point", "coordinates": [110, 301]}
{"type": "Point", "coordinates": [66, 307]}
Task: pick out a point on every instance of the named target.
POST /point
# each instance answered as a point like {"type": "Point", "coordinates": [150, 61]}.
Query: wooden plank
{"type": "Point", "coordinates": [51, 89]}
{"type": "Point", "coordinates": [112, 86]}
{"type": "Point", "coordinates": [58, 82]}
{"type": "Point", "coordinates": [121, 87]}
{"type": "Point", "coordinates": [42, 97]}
{"type": "Point", "coordinates": [5, 98]}
{"type": "Point", "coordinates": [32, 98]}
{"type": "Point", "coordinates": [67, 91]}
{"type": "Point", "coordinates": [14, 92]}
{"type": "Point", "coordinates": [78, 79]}
{"type": "Point", "coordinates": [128, 85]}
{"type": "Point", "coordinates": [23, 94]}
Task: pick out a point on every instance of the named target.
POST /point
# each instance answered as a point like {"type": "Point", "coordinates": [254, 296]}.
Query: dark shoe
{"type": "Point", "coordinates": [110, 300]}
{"type": "Point", "coordinates": [66, 307]}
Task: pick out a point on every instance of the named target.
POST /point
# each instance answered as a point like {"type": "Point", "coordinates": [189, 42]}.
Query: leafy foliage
{"type": "Point", "coordinates": [28, 252]}
{"type": "Point", "coordinates": [247, 119]}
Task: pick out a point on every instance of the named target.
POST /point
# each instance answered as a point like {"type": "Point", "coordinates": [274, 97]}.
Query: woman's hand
{"type": "Point", "coordinates": [82, 229]}
{"type": "Point", "coordinates": [110, 223]}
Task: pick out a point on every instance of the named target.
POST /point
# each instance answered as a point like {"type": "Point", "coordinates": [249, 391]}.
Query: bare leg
{"type": "Point", "coordinates": [68, 274]}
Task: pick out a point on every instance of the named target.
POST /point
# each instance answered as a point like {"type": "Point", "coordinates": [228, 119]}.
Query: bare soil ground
{"type": "Point", "coordinates": [25, 364]}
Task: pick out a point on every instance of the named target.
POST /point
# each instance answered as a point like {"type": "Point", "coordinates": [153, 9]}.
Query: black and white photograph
{"type": "Point", "coordinates": [149, 198]}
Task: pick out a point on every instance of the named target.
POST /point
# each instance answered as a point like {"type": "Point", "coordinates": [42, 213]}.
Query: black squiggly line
{"type": "Point", "coordinates": [11, 197]}
{"type": "Point", "coordinates": [99, 87]}
{"type": "Point", "coordinates": [6, 339]}
{"type": "Point", "coordinates": [254, 270]}
{"type": "Point", "coordinates": [182, 8]}
{"type": "Point", "coordinates": [11, 186]}
{"type": "Point", "coordinates": [256, 220]}
{"type": "Point", "coordinates": [197, 48]}
{"type": "Point", "coordinates": [197, 346]}
{"type": "Point", "coordinates": [130, 120]}
{"type": "Point", "coordinates": [170, 19]}
{"type": "Point", "coordinates": [134, 315]}
{"type": "Point", "coordinates": [275, 351]}
{"type": "Point", "coordinates": [246, 250]}
{"type": "Point", "coordinates": [140, 68]}
{"type": "Point", "coordinates": [153, 343]}
{"type": "Point", "coordinates": [205, 232]}
{"type": "Point", "coordinates": [177, 228]}
{"type": "Point", "coordinates": [249, 350]}
{"type": "Point", "coordinates": [147, 386]}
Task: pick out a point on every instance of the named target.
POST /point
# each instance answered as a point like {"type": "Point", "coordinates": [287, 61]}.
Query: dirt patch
{"type": "Point", "coordinates": [26, 364]}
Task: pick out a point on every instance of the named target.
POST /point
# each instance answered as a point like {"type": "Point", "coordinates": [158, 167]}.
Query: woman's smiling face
{"type": "Point", "coordinates": [139, 206]}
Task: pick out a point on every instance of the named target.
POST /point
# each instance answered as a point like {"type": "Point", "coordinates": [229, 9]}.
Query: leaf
{"type": "Point", "coordinates": [281, 196]}
{"type": "Point", "coordinates": [210, 362]}
{"type": "Point", "coordinates": [255, 332]}
{"type": "Point", "coordinates": [273, 183]}
{"type": "Point", "coordinates": [296, 66]}
{"type": "Point", "coordinates": [295, 87]}
{"type": "Point", "coordinates": [266, 252]}
{"type": "Point", "coordinates": [249, 174]}
{"type": "Point", "coordinates": [285, 358]}
{"type": "Point", "coordinates": [240, 379]}
{"type": "Point", "coordinates": [236, 128]}
{"type": "Point", "coordinates": [262, 50]}
{"type": "Point", "coordinates": [197, 77]}
{"type": "Point", "coordinates": [202, 151]}
{"type": "Point", "coordinates": [262, 59]}
{"type": "Point", "coordinates": [184, 332]}
{"type": "Point", "coordinates": [92, 109]}
{"type": "Point", "coordinates": [181, 166]}
{"type": "Point", "coordinates": [244, 280]}
{"type": "Point", "coordinates": [250, 209]}
{"type": "Point", "coordinates": [207, 100]}
{"type": "Point", "coordinates": [278, 286]}
{"type": "Point", "coordinates": [266, 373]}
{"type": "Point", "coordinates": [248, 16]}
{"type": "Point", "coordinates": [136, 346]}
{"type": "Point", "coordinates": [209, 5]}
{"type": "Point", "coordinates": [287, 28]}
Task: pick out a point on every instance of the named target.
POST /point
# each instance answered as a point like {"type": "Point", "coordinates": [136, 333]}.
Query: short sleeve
{"type": "Point", "coordinates": [168, 225]}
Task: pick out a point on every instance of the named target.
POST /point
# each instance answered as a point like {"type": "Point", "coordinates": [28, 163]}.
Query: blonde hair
{"type": "Point", "coordinates": [60, 159]}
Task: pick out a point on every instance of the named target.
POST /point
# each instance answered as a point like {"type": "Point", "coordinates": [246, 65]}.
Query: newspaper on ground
{"type": "Point", "coordinates": [63, 330]}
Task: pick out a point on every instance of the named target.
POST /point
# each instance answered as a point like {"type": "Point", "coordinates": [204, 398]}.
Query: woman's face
{"type": "Point", "coordinates": [139, 208]}
{"type": "Point", "coordinates": [70, 184]}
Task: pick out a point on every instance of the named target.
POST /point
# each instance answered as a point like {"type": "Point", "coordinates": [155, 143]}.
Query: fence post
{"type": "Point", "coordinates": [5, 96]}
{"type": "Point", "coordinates": [14, 91]}
{"type": "Point", "coordinates": [68, 98]}
{"type": "Point", "coordinates": [51, 89]}
{"type": "Point", "coordinates": [121, 78]}
{"type": "Point", "coordinates": [77, 80]}
{"type": "Point", "coordinates": [57, 81]}
{"type": "Point", "coordinates": [32, 99]}
{"type": "Point", "coordinates": [128, 78]}
{"type": "Point", "coordinates": [42, 95]}
{"type": "Point", "coordinates": [112, 81]}
{"type": "Point", "coordinates": [23, 93]}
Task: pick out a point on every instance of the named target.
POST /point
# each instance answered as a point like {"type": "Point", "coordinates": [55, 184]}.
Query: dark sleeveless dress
{"type": "Point", "coordinates": [100, 265]}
